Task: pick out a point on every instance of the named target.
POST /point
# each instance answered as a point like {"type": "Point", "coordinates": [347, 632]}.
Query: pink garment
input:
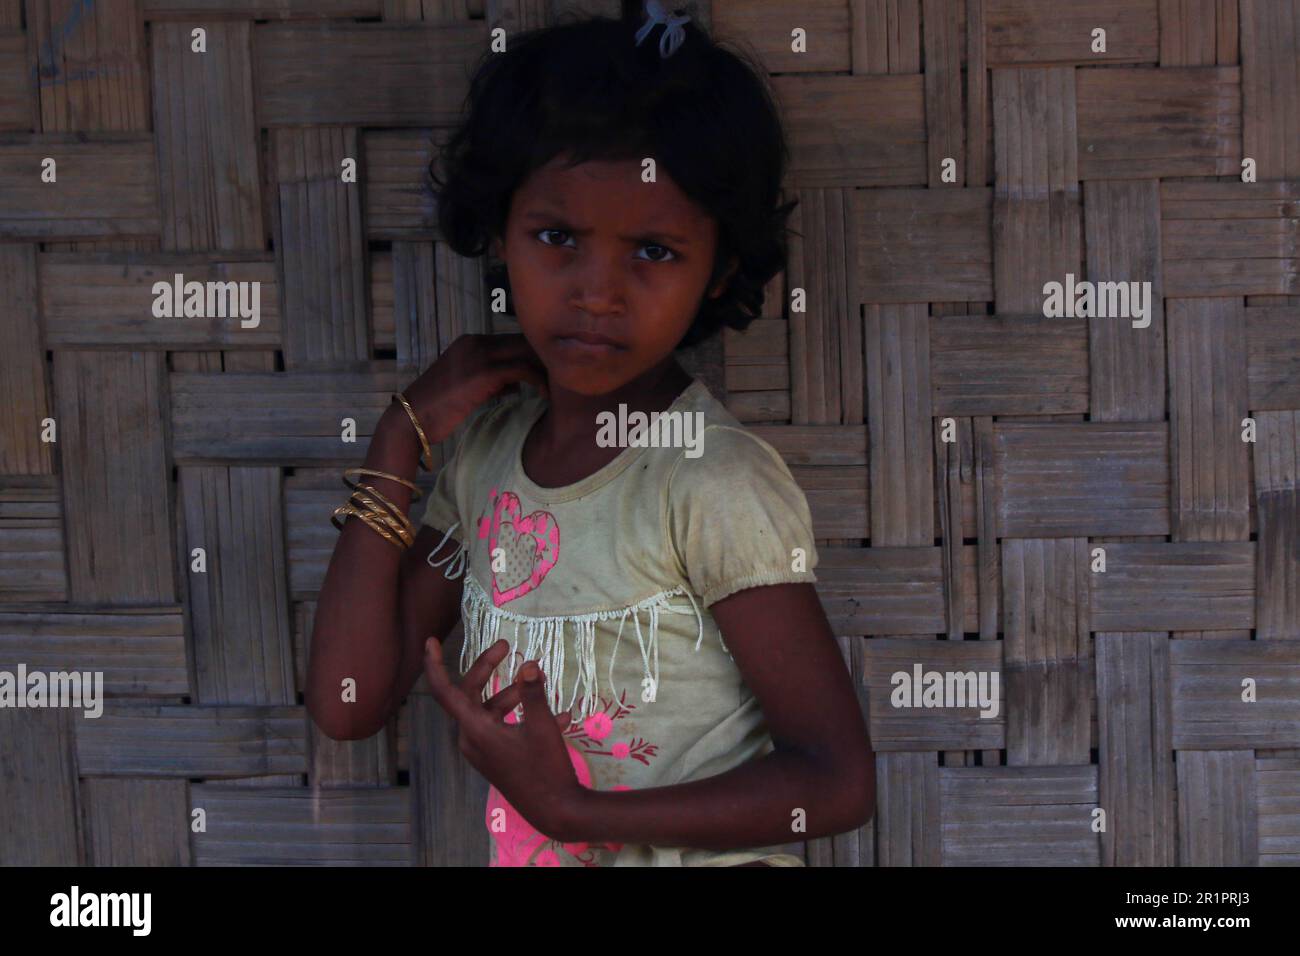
{"type": "Point", "coordinates": [517, 842]}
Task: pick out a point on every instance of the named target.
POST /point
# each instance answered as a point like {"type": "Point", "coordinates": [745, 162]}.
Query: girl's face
{"type": "Point", "coordinates": [595, 254]}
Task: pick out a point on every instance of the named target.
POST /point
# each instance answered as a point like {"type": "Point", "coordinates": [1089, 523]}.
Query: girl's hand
{"type": "Point", "coordinates": [527, 762]}
{"type": "Point", "coordinates": [472, 370]}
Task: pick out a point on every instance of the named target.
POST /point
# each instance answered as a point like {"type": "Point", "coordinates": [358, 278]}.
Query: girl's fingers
{"type": "Point", "coordinates": [444, 691]}
{"type": "Point", "coordinates": [502, 702]}
{"type": "Point", "coordinates": [511, 373]}
{"type": "Point", "coordinates": [477, 676]}
{"type": "Point", "coordinates": [520, 360]}
{"type": "Point", "coordinates": [532, 695]}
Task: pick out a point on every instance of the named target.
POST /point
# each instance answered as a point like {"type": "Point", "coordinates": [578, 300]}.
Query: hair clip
{"type": "Point", "coordinates": [673, 36]}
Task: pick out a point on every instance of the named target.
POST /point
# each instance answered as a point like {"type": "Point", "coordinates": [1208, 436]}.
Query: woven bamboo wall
{"type": "Point", "coordinates": [963, 454]}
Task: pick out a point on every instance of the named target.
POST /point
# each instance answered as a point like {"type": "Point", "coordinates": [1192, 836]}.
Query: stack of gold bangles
{"type": "Point", "coordinates": [372, 507]}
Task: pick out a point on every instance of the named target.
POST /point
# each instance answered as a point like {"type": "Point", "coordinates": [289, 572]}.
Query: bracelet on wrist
{"type": "Point", "coordinates": [426, 453]}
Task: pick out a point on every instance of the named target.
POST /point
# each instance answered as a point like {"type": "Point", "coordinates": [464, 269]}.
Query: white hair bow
{"type": "Point", "coordinates": [673, 35]}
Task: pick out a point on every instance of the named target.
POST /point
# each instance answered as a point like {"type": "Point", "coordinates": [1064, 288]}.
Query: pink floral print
{"type": "Point", "coordinates": [516, 841]}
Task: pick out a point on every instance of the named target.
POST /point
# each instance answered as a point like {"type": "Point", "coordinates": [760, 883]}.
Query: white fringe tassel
{"type": "Point", "coordinates": [545, 641]}
{"type": "Point", "coordinates": [457, 560]}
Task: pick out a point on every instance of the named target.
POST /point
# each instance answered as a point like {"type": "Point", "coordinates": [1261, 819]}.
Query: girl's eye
{"type": "Point", "coordinates": [670, 253]}
{"type": "Point", "coordinates": [667, 255]}
{"type": "Point", "coordinates": [545, 231]}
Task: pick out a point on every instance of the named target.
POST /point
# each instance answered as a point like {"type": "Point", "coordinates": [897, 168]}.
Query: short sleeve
{"type": "Point", "coordinates": [442, 509]}
{"type": "Point", "coordinates": [736, 517]}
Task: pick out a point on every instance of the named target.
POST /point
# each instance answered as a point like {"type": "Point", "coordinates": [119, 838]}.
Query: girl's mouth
{"type": "Point", "coordinates": [587, 345]}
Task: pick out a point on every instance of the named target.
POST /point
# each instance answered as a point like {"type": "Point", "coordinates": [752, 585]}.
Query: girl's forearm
{"type": "Point", "coordinates": [782, 797]}
{"type": "Point", "coordinates": [355, 632]}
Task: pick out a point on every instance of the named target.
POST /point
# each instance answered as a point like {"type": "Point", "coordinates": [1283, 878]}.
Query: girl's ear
{"type": "Point", "coordinates": [721, 285]}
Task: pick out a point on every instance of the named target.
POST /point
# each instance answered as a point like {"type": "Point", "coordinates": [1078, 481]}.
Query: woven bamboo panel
{"type": "Point", "coordinates": [968, 458]}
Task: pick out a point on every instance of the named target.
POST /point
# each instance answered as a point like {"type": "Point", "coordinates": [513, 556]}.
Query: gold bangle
{"type": "Point", "coordinates": [366, 518]}
{"type": "Point", "coordinates": [377, 526]}
{"type": "Point", "coordinates": [368, 521]}
{"type": "Point", "coordinates": [382, 512]}
{"type": "Point", "coordinates": [424, 442]}
{"type": "Point", "coordinates": [372, 489]}
{"type": "Point", "coordinates": [361, 472]}
{"type": "Point", "coordinates": [398, 522]}
{"type": "Point", "coordinates": [363, 493]}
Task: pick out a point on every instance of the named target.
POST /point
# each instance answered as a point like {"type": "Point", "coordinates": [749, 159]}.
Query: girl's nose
{"type": "Point", "coordinates": [599, 283]}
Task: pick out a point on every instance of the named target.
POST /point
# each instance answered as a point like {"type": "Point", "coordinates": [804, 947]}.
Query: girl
{"type": "Point", "coordinates": [647, 677]}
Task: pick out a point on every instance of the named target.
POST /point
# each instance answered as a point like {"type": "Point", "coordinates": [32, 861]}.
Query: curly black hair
{"type": "Point", "coordinates": [583, 87]}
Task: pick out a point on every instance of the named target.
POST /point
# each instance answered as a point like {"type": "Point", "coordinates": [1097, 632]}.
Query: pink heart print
{"type": "Point", "coordinates": [531, 544]}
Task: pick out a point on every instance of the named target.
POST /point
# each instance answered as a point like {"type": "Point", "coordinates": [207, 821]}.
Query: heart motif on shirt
{"type": "Point", "coordinates": [530, 546]}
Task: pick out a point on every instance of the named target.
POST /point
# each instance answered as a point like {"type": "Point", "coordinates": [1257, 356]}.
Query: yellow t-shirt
{"type": "Point", "coordinates": [607, 583]}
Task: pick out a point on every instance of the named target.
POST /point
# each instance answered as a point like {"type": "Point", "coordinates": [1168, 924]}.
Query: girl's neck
{"type": "Point", "coordinates": [570, 417]}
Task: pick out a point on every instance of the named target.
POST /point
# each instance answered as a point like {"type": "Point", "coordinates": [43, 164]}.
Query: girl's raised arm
{"type": "Point", "coordinates": [378, 603]}
{"type": "Point", "coordinates": [357, 633]}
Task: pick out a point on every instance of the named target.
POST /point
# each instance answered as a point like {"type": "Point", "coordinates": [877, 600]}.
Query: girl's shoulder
{"type": "Point", "coordinates": [725, 452]}
{"type": "Point", "coordinates": [733, 464]}
{"type": "Point", "coordinates": [735, 515]}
